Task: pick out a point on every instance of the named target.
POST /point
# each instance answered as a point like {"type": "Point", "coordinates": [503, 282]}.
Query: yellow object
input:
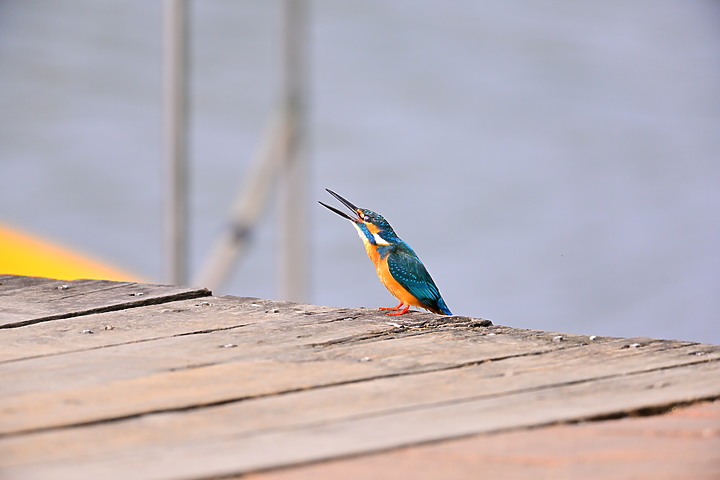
{"type": "Point", "coordinates": [22, 254]}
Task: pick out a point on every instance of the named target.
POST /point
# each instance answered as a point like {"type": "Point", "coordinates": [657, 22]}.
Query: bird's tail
{"type": "Point", "coordinates": [443, 307]}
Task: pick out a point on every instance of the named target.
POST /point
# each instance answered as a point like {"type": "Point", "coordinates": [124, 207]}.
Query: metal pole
{"type": "Point", "coordinates": [293, 244]}
{"type": "Point", "coordinates": [175, 93]}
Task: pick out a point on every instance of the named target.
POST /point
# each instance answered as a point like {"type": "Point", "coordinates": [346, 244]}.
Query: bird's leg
{"type": "Point", "coordinates": [404, 310]}
{"type": "Point", "coordinates": [399, 306]}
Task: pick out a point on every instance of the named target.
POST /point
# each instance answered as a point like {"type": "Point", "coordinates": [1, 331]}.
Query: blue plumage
{"type": "Point", "coordinates": [407, 269]}
{"type": "Point", "coordinates": [397, 264]}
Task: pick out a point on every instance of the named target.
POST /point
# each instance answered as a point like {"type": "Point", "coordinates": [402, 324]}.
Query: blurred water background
{"type": "Point", "coordinates": [555, 164]}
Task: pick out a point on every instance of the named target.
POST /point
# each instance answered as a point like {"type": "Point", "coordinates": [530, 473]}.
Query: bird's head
{"type": "Point", "coordinates": [371, 226]}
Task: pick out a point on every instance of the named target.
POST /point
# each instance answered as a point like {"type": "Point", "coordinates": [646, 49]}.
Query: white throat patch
{"type": "Point", "coordinates": [379, 240]}
{"type": "Point", "coordinates": [360, 232]}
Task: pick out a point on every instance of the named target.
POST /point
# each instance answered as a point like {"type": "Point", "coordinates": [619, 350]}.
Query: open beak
{"type": "Point", "coordinates": [349, 205]}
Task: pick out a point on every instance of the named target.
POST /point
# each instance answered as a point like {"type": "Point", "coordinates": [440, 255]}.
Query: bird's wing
{"type": "Point", "coordinates": [407, 269]}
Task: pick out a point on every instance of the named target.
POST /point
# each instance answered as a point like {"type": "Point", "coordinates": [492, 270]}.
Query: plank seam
{"type": "Point", "coordinates": [620, 414]}
{"type": "Point", "coordinates": [226, 401]}
{"type": "Point", "coordinates": [129, 342]}
{"type": "Point", "coordinates": [360, 338]}
{"type": "Point", "coordinates": [112, 308]}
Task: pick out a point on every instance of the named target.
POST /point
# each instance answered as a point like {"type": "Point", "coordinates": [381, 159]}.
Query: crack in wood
{"type": "Point", "coordinates": [357, 339]}
{"type": "Point", "coordinates": [613, 415]}
{"type": "Point", "coordinates": [307, 383]}
{"type": "Point", "coordinates": [617, 415]}
{"type": "Point", "coordinates": [113, 286]}
{"type": "Point", "coordinates": [198, 332]}
{"type": "Point", "coordinates": [640, 412]}
{"type": "Point", "coordinates": [455, 401]}
{"type": "Point", "coordinates": [115, 307]}
{"type": "Point", "coordinates": [129, 342]}
{"type": "Point", "coordinates": [341, 319]}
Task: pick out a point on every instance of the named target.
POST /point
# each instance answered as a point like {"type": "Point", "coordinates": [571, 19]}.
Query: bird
{"type": "Point", "coordinates": [396, 263]}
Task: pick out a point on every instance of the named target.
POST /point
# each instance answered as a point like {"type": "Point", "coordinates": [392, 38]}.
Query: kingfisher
{"type": "Point", "coordinates": [396, 263]}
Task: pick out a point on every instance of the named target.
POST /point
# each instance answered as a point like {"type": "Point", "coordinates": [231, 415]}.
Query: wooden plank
{"type": "Point", "coordinates": [215, 450]}
{"type": "Point", "coordinates": [254, 341]}
{"type": "Point", "coordinates": [152, 322]}
{"type": "Point", "coordinates": [220, 386]}
{"type": "Point", "coordinates": [43, 301]}
{"type": "Point", "coordinates": [81, 387]}
{"type": "Point", "coordinates": [683, 443]}
{"type": "Point", "coordinates": [270, 358]}
{"type": "Point", "coordinates": [501, 377]}
{"type": "Point", "coordinates": [492, 378]}
{"type": "Point", "coordinates": [195, 316]}
{"type": "Point", "coordinates": [14, 282]}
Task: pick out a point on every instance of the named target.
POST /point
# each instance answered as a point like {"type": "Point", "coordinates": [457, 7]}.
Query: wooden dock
{"type": "Point", "coordinates": [108, 380]}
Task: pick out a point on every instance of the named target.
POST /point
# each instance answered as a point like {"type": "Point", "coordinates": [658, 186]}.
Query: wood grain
{"type": "Point", "coordinates": [223, 452]}
{"type": "Point", "coordinates": [40, 301]}
{"type": "Point", "coordinates": [217, 386]}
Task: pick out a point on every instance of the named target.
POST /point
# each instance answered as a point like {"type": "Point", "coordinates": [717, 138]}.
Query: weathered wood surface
{"type": "Point", "coordinates": [202, 387]}
{"type": "Point", "coordinates": [681, 444]}
{"type": "Point", "coordinates": [27, 300]}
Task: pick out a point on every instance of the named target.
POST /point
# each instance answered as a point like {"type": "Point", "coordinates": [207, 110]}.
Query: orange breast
{"type": "Point", "coordinates": [395, 288]}
{"type": "Point", "coordinates": [383, 272]}
{"type": "Point", "coordinates": [398, 291]}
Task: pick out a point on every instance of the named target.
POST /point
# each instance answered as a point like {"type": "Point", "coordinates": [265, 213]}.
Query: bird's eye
{"type": "Point", "coordinates": [366, 218]}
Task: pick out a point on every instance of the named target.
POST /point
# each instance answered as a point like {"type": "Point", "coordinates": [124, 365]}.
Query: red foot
{"type": "Point", "coordinates": [401, 312]}
{"type": "Point", "coordinates": [399, 305]}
